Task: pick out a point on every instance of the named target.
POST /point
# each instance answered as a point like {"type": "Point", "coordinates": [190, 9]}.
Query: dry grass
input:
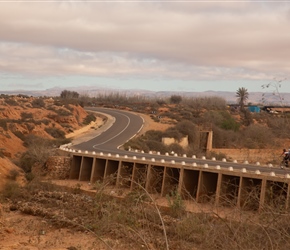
{"type": "Point", "coordinates": [121, 219]}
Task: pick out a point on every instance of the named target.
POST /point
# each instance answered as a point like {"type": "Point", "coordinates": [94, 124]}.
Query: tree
{"type": "Point", "coordinates": [175, 99]}
{"type": "Point", "coordinates": [66, 94]}
{"type": "Point", "coordinates": [242, 94]}
{"type": "Point", "coordinates": [276, 84]}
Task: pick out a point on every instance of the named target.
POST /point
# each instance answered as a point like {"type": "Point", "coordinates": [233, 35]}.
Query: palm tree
{"type": "Point", "coordinates": [243, 95]}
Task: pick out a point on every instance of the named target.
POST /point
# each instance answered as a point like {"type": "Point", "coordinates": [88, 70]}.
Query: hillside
{"type": "Point", "coordinates": [21, 116]}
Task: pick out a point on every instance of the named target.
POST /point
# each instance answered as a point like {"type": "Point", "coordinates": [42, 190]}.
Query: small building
{"type": "Point", "coordinates": [254, 109]}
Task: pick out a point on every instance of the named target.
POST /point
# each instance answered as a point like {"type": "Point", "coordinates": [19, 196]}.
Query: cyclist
{"type": "Point", "coordinates": [285, 160]}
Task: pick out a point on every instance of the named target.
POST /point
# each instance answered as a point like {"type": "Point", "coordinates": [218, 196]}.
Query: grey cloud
{"type": "Point", "coordinates": [135, 38]}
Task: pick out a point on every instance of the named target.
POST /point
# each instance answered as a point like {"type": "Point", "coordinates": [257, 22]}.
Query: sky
{"type": "Point", "coordinates": [151, 45]}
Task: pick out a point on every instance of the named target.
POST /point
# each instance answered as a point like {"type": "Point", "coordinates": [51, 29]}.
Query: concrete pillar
{"type": "Point", "coordinates": [119, 174]}
{"type": "Point", "coordinates": [262, 194]}
{"type": "Point", "coordinates": [133, 176]}
{"type": "Point", "coordinates": [93, 170]}
{"type": "Point", "coordinates": [164, 179]}
{"type": "Point", "coordinates": [199, 186]}
{"type": "Point", "coordinates": [148, 177]}
{"type": "Point", "coordinates": [209, 141]}
{"type": "Point", "coordinates": [240, 193]}
{"type": "Point", "coordinates": [218, 189]}
{"type": "Point", "coordinates": [180, 183]}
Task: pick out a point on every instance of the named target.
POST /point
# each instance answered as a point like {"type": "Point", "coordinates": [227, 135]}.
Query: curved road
{"type": "Point", "coordinates": [127, 124]}
{"type": "Point", "coordinates": [123, 128]}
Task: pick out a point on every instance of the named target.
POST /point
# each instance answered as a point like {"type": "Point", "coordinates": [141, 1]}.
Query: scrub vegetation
{"type": "Point", "coordinates": [233, 126]}
{"type": "Point", "coordinates": [117, 218]}
{"type": "Point", "coordinates": [135, 220]}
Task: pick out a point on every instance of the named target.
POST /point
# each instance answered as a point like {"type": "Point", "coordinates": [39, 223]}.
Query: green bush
{"type": "Point", "coordinates": [176, 148]}
{"type": "Point", "coordinates": [136, 143]}
{"type": "Point", "coordinates": [88, 119]}
{"type": "Point", "coordinates": [187, 128]}
{"type": "Point", "coordinates": [176, 204]}
{"type": "Point", "coordinates": [172, 132]}
{"type": "Point", "coordinates": [230, 124]}
{"type": "Point", "coordinates": [153, 135]}
{"type": "Point", "coordinates": [156, 146]}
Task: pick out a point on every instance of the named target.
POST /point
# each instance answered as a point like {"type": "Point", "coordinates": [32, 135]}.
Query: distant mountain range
{"type": "Point", "coordinates": [265, 98]}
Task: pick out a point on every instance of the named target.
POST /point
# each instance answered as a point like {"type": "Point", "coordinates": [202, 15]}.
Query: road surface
{"type": "Point", "coordinates": [126, 125]}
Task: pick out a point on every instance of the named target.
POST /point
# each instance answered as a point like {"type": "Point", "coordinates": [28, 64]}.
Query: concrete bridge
{"type": "Point", "coordinates": [243, 185]}
{"type": "Point", "coordinates": [203, 183]}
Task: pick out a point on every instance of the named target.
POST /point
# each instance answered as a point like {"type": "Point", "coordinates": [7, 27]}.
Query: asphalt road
{"type": "Point", "coordinates": [125, 125]}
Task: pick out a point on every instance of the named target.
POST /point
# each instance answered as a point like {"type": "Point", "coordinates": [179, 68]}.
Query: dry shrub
{"type": "Point", "coordinates": [13, 174]}
{"type": "Point", "coordinates": [11, 190]}
{"type": "Point", "coordinates": [258, 136]}
{"type": "Point", "coordinates": [136, 220]}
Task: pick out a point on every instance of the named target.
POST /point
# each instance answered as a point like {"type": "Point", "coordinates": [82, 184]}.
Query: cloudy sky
{"type": "Point", "coordinates": [154, 45]}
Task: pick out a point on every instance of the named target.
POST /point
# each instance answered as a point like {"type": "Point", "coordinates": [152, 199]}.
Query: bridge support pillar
{"type": "Point", "coordinates": [262, 194]}
{"type": "Point", "coordinates": [147, 186]}
{"type": "Point", "coordinates": [218, 189]}
{"type": "Point", "coordinates": [209, 141]}
{"type": "Point", "coordinates": [180, 183]}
